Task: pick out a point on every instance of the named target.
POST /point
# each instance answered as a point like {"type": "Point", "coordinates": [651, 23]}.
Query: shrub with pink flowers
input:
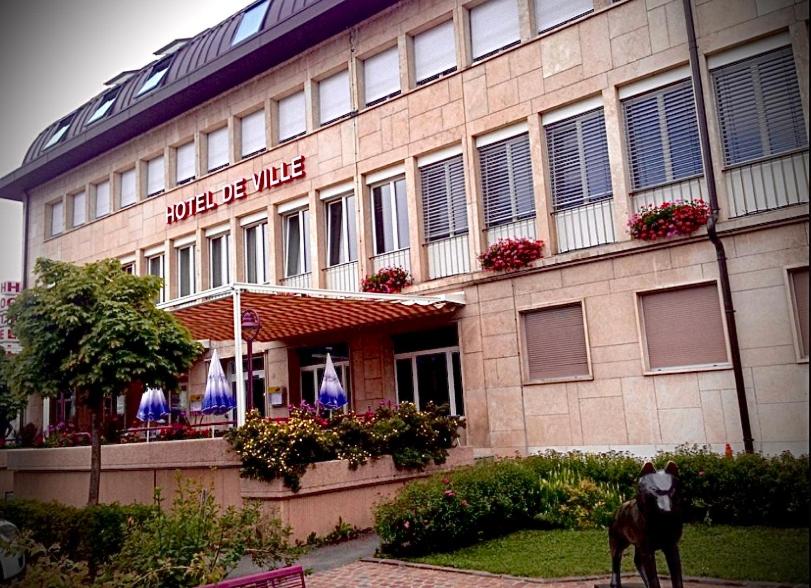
{"type": "Point", "coordinates": [668, 219]}
{"type": "Point", "coordinates": [511, 254]}
{"type": "Point", "coordinates": [387, 280]}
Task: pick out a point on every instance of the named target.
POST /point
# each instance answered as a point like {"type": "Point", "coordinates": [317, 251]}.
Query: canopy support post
{"type": "Point", "coordinates": [240, 377]}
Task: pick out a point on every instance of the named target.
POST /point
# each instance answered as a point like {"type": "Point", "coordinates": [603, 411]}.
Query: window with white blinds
{"type": "Point", "coordinates": [390, 216]}
{"type": "Point", "coordinates": [333, 97]}
{"type": "Point", "coordinates": [555, 341]}
{"type": "Point", "coordinates": [292, 118]}
{"type": "Point", "coordinates": [128, 189]}
{"type": "Point", "coordinates": [79, 206]}
{"type": "Point", "coordinates": [217, 142]}
{"type": "Point", "coordinates": [185, 270]}
{"type": "Point", "coordinates": [252, 130]}
{"type": "Point", "coordinates": [381, 76]}
{"type": "Point", "coordinates": [155, 176]}
{"type": "Point", "coordinates": [218, 260]}
{"type": "Point", "coordinates": [551, 13]}
{"type": "Point", "coordinates": [57, 210]}
{"type": "Point", "coordinates": [506, 170]}
{"type": "Point", "coordinates": [434, 52]}
{"type": "Point", "coordinates": [444, 209]}
{"type": "Point", "coordinates": [661, 133]}
{"type": "Point", "coordinates": [493, 26]}
{"type": "Point", "coordinates": [102, 198]}
{"type": "Point", "coordinates": [760, 112]}
{"type": "Point", "coordinates": [184, 163]}
{"type": "Point", "coordinates": [296, 243]}
{"type": "Point", "coordinates": [256, 253]}
{"type": "Point", "coordinates": [154, 267]}
{"type": "Point", "coordinates": [799, 295]}
{"type": "Point", "coordinates": [342, 230]}
{"type": "Point", "coordinates": [683, 327]}
{"type": "Point", "coordinates": [578, 160]}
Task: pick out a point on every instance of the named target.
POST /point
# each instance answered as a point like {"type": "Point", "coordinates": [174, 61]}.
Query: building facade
{"type": "Point", "coordinates": [423, 132]}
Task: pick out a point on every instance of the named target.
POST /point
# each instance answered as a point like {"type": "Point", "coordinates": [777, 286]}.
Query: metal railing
{"type": "Point", "coordinates": [343, 277]}
{"type": "Point", "coordinates": [768, 184]}
{"type": "Point", "coordinates": [685, 190]}
{"type": "Point", "coordinates": [516, 230]}
{"type": "Point", "coordinates": [585, 226]}
{"type": "Point", "coordinates": [401, 258]}
{"type": "Point", "coordinates": [448, 257]}
{"type": "Point", "coordinates": [299, 281]}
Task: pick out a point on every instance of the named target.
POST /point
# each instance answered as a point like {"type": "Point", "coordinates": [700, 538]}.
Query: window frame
{"type": "Point", "coordinates": [536, 13]}
{"type": "Point", "coordinates": [261, 227]}
{"type": "Point", "coordinates": [412, 356]}
{"type": "Point", "coordinates": [516, 216]}
{"type": "Point", "coordinates": [176, 151]}
{"type": "Point", "coordinates": [391, 182]}
{"type": "Point", "coordinates": [147, 167]}
{"type": "Point", "coordinates": [103, 107]}
{"type": "Point", "coordinates": [161, 257]}
{"type": "Point", "coordinates": [95, 189]}
{"type": "Point", "coordinates": [160, 69]}
{"type": "Point", "coordinates": [260, 113]}
{"type": "Point", "coordinates": [278, 114]}
{"type": "Point", "coordinates": [304, 252]}
{"type": "Point", "coordinates": [453, 230]}
{"type": "Point", "coordinates": [341, 72]}
{"type": "Point", "coordinates": [236, 39]}
{"type": "Point", "coordinates": [225, 275]}
{"type": "Point", "coordinates": [120, 185]}
{"type": "Point", "coordinates": [517, 41]}
{"type": "Point", "coordinates": [345, 246]}
{"type": "Point", "coordinates": [378, 55]}
{"type": "Point", "coordinates": [227, 162]}
{"type": "Point", "coordinates": [413, 52]}
{"type": "Point", "coordinates": [192, 285]}
{"type": "Point", "coordinates": [73, 208]}
{"type": "Point", "coordinates": [792, 307]}
{"type": "Point", "coordinates": [60, 202]}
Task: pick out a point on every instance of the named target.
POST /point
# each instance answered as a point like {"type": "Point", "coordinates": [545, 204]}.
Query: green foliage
{"type": "Point", "coordinates": [342, 532]}
{"type": "Point", "coordinates": [285, 449]}
{"type": "Point", "coordinates": [572, 502]}
{"type": "Point", "coordinates": [47, 567]}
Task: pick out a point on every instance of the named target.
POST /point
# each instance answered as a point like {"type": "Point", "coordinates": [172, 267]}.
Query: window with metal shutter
{"type": "Point", "coordinates": [381, 76]}
{"type": "Point", "coordinates": [661, 133]}
{"type": "Point", "coordinates": [443, 199]}
{"type": "Point", "coordinates": [799, 292]}
{"type": "Point", "coordinates": [184, 163]}
{"type": "Point", "coordinates": [506, 170]}
{"type": "Point", "coordinates": [154, 176]}
{"type": "Point", "coordinates": [79, 208]}
{"type": "Point", "coordinates": [683, 327]}
{"type": "Point", "coordinates": [434, 52]}
{"type": "Point", "coordinates": [578, 160]}
{"type": "Point", "coordinates": [493, 26]}
{"type": "Point", "coordinates": [218, 149]}
{"type": "Point", "coordinates": [57, 218]}
{"type": "Point", "coordinates": [253, 133]}
{"type": "Point", "coordinates": [292, 120]}
{"type": "Point", "coordinates": [556, 343]}
{"type": "Point", "coordinates": [760, 112]}
{"type": "Point", "coordinates": [102, 198]}
{"type": "Point", "coordinates": [128, 195]}
{"type": "Point", "coordinates": [333, 97]}
{"type": "Point", "coordinates": [551, 13]}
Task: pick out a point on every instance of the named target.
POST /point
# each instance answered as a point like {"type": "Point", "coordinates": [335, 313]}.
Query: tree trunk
{"type": "Point", "coordinates": [95, 451]}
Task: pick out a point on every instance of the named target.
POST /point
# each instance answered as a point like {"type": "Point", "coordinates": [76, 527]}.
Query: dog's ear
{"type": "Point", "coordinates": [648, 468]}
{"type": "Point", "coordinates": [672, 469]}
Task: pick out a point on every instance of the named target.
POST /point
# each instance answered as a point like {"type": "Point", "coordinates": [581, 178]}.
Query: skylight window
{"type": "Point", "coordinates": [103, 107]}
{"type": "Point", "coordinates": [158, 73]}
{"type": "Point", "coordinates": [58, 134]}
{"type": "Point", "coordinates": [251, 22]}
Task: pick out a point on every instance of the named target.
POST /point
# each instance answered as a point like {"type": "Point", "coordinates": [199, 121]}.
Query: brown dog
{"type": "Point", "coordinates": [649, 522]}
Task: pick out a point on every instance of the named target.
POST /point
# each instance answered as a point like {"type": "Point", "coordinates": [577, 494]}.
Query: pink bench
{"type": "Point", "coordinates": [292, 577]}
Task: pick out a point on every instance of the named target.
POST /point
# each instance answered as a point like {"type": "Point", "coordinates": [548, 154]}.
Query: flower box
{"type": "Point", "coordinates": [511, 254]}
{"type": "Point", "coordinates": [387, 280]}
{"type": "Point", "coordinates": [668, 219]}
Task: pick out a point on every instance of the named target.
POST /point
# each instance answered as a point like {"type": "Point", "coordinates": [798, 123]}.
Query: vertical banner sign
{"type": "Point", "coordinates": [8, 292]}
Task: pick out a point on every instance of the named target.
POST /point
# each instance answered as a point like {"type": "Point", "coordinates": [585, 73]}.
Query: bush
{"type": "Point", "coordinates": [510, 254]}
{"type": "Point", "coordinates": [572, 502]}
{"type": "Point", "coordinates": [668, 219]}
{"type": "Point", "coordinates": [387, 280]}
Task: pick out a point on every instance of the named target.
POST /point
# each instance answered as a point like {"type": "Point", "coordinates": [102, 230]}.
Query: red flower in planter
{"type": "Point", "coordinates": [510, 254]}
{"type": "Point", "coordinates": [668, 219]}
{"type": "Point", "coordinates": [387, 280]}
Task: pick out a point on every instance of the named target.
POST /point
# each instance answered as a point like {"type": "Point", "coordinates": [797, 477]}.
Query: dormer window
{"type": "Point", "coordinates": [59, 133]}
{"type": "Point", "coordinates": [156, 75]}
{"type": "Point", "coordinates": [103, 107]}
{"type": "Point", "coordinates": [251, 22]}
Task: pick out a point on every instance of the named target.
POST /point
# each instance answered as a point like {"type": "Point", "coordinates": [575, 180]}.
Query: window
{"type": "Point", "coordinates": [185, 270]}
{"type": "Point", "coordinates": [252, 129]}
{"type": "Point", "coordinates": [444, 209]}
{"type": "Point", "coordinates": [662, 136]}
{"type": "Point", "coordinates": [312, 362]}
{"type": "Point", "coordinates": [78, 209]}
{"type": "Point", "coordinates": [381, 76]}
{"type": "Point", "coordinates": [218, 260]}
{"type": "Point", "coordinates": [551, 13]}
{"type": "Point", "coordinates": [434, 52]}
{"type": "Point", "coordinates": [683, 327]}
{"type": "Point", "coordinates": [292, 118]}
{"type": "Point", "coordinates": [342, 230]}
{"type": "Point", "coordinates": [128, 267]}
{"type": "Point", "coordinates": [578, 160]}
{"type": "Point", "coordinates": [798, 282]}
{"type": "Point", "coordinates": [493, 26]}
{"type": "Point", "coordinates": [390, 216]}
{"type": "Point", "coordinates": [251, 22]}
{"type": "Point", "coordinates": [102, 198]}
{"type": "Point", "coordinates": [506, 171]}
{"type": "Point", "coordinates": [217, 149]}
{"type": "Point", "coordinates": [256, 253]}
{"type": "Point", "coordinates": [555, 341]}
{"type": "Point", "coordinates": [59, 133]}
{"type": "Point", "coordinates": [760, 112]}
{"type": "Point", "coordinates": [296, 243]}
{"type": "Point", "coordinates": [57, 211]}
{"type": "Point", "coordinates": [156, 75]}
{"type": "Point", "coordinates": [128, 194]}
{"type": "Point", "coordinates": [333, 97]}
{"type": "Point", "coordinates": [154, 267]}
{"type": "Point", "coordinates": [184, 163]}
{"type": "Point", "coordinates": [155, 176]}
{"type": "Point", "coordinates": [103, 107]}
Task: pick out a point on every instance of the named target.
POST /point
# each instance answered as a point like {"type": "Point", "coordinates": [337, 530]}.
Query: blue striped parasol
{"type": "Point", "coordinates": [218, 398]}
{"type": "Point", "coordinates": [331, 395]}
{"type": "Point", "coordinates": [153, 405]}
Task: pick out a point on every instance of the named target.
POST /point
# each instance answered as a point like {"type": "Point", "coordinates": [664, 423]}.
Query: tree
{"type": "Point", "coordinates": [92, 330]}
{"type": "Point", "coordinates": [11, 403]}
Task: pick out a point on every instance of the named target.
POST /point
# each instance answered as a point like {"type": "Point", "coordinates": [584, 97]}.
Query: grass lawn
{"type": "Point", "coordinates": [732, 553]}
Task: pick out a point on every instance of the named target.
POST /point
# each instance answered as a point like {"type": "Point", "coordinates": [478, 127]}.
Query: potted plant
{"type": "Point", "coordinates": [511, 254]}
{"type": "Point", "coordinates": [668, 219]}
{"type": "Point", "coordinates": [387, 280]}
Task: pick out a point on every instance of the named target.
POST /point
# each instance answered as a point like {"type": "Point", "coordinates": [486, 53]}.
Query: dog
{"type": "Point", "coordinates": [649, 522]}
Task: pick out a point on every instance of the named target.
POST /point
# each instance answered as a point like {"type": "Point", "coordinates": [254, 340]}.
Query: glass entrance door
{"type": "Point", "coordinates": [313, 375]}
{"type": "Point", "coordinates": [432, 375]}
{"type": "Point", "coordinates": [260, 398]}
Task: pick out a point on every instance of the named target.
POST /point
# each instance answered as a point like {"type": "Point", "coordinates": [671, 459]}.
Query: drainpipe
{"type": "Point", "coordinates": [26, 209]}
{"type": "Point", "coordinates": [712, 232]}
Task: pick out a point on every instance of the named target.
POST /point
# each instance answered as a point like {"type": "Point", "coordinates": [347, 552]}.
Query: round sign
{"type": "Point", "coordinates": [250, 320]}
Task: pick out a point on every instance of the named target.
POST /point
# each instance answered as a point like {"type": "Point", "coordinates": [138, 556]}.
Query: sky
{"type": "Point", "coordinates": [56, 54]}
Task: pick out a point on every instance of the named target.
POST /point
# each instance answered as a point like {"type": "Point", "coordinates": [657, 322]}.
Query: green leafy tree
{"type": "Point", "coordinates": [11, 403]}
{"type": "Point", "coordinates": [92, 330]}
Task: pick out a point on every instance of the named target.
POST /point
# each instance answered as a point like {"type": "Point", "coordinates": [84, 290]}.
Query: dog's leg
{"type": "Point", "coordinates": [618, 545]}
{"type": "Point", "coordinates": [646, 565]}
{"type": "Point", "coordinates": [674, 565]}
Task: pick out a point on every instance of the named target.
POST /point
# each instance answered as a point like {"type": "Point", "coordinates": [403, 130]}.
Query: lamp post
{"type": "Point", "coordinates": [250, 329]}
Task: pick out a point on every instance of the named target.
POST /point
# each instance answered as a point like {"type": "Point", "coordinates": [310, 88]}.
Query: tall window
{"type": "Point", "coordinates": [390, 216]}
{"type": "Point", "coordinates": [506, 170]}
{"type": "Point", "coordinates": [217, 149]}
{"type": "Point", "coordinates": [256, 253]}
{"type": "Point", "coordinates": [434, 52]}
{"type": "Point", "coordinates": [333, 97]}
{"type": "Point", "coordinates": [578, 160]}
{"type": "Point", "coordinates": [296, 243]}
{"type": "Point", "coordinates": [154, 267]}
{"type": "Point", "coordinates": [798, 282]}
{"type": "Point", "coordinates": [252, 129]}
{"type": "Point", "coordinates": [551, 13]}
{"type": "Point", "coordinates": [493, 26]}
{"type": "Point", "coordinates": [444, 209]}
{"type": "Point", "coordinates": [292, 117]}
{"type": "Point", "coordinates": [57, 211]}
{"type": "Point", "coordinates": [662, 136]}
{"type": "Point", "coordinates": [555, 341]}
{"type": "Point", "coordinates": [381, 76]}
{"type": "Point", "coordinates": [218, 260]}
{"type": "Point", "coordinates": [185, 270]}
{"type": "Point", "coordinates": [128, 194]}
{"type": "Point", "coordinates": [79, 208]}
{"type": "Point", "coordinates": [342, 231]}
{"type": "Point", "coordinates": [184, 163]}
{"type": "Point", "coordinates": [759, 107]}
{"type": "Point", "coordinates": [155, 176]}
{"type": "Point", "coordinates": [102, 190]}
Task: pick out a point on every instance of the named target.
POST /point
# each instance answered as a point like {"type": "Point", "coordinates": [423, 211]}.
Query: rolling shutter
{"type": "Point", "coordinates": [556, 342]}
{"type": "Point", "coordinates": [493, 26]}
{"type": "Point", "coordinates": [799, 285]}
{"type": "Point", "coordinates": [79, 208]}
{"type": "Point", "coordinates": [218, 149]}
{"type": "Point", "coordinates": [551, 13]}
{"type": "Point", "coordinates": [128, 195]}
{"type": "Point", "coordinates": [292, 120]}
{"type": "Point", "coordinates": [381, 75]}
{"type": "Point", "coordinates": [253, 133]}
{"type": "Point", "coordinates": [333, 97]}
{"type": "Point", "coordinates": [434, 52]}
{"type": "Point", "coordinates": [185, 163]}
{"type": "Point", "coordinates": [506, 170]}
{"type": "Point", "coordinates": [154, 176]}
{"type": "Point", "coordinates": [443, 199]}
{"type": "Point", "coordinates": [102, 199]}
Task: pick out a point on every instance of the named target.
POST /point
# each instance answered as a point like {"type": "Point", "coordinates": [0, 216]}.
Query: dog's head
{"type": "Point", "coordinates": [658, 490]}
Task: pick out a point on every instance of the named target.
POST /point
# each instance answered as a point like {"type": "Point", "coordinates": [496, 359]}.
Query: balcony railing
{"type": "Point", "coordinates": [343, 277]}
{"type": "Point", "coordinates": [585, 226]}
{"type": "Point", "coordinates": [448, 257]}
{"type": "Point", "coordinates": [516, 230]}
{"type": "Point", "coordinates": [401, 258]}
{"type": "Point", "coordinates": [685, 190]}
{"type": "Point", "coordinates": [768, 184]}
{"type": "Point", "coordinates": [298, 281]}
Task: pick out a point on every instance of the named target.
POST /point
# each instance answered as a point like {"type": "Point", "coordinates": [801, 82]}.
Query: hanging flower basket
{"type": "Point", "coordinates": [511, 254]}
{"type": "Point", "coordinates": [387, 280]}
{"type": "Point", "coordinates": [668, 219]}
